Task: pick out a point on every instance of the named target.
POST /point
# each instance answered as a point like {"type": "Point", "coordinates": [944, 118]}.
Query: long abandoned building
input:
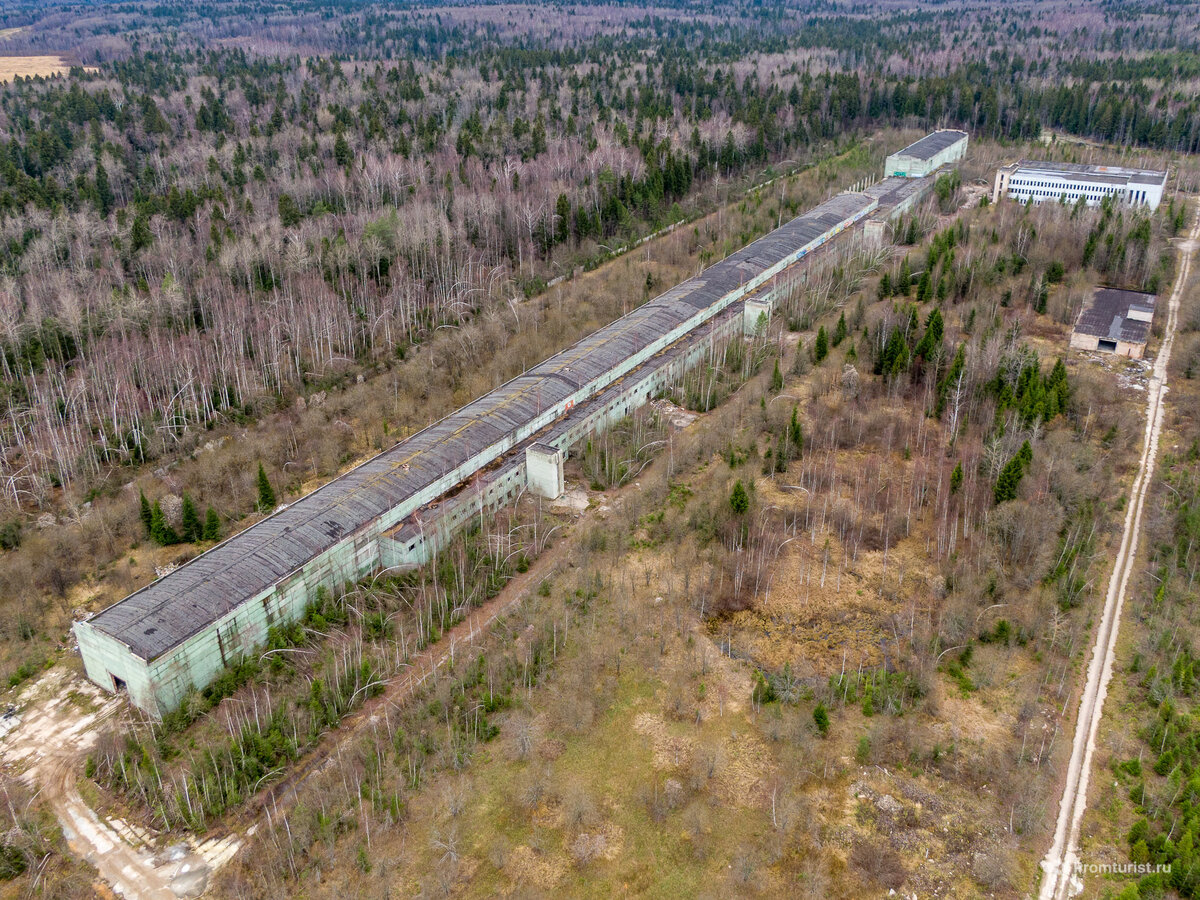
{"type": "Point", "coordinates": [400, 507]}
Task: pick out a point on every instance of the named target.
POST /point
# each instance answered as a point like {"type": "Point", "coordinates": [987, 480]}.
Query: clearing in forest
{"type": "Point", "coordinates": [27, 66]}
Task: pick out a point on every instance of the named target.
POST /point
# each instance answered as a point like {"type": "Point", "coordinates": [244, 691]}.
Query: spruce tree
{"type": "Point", "coordinates": [145, 512]}
{"type": "Point", "coordinates": [839, 330]}
{"type": "Point", "coordinates": [956, 478]}
{"type": "Point", "coordinates": [820, 346]}
{"type": "Point", "coordinates": [739, 500]}
{"type": "Point", "coordinates": [104, 193]}
{"type": "Point", "coordinates": [160, 529]}
{"type": "Point", "coordinates": [266, 493]}
{"type": "Point", "coordinates": [212, 525]}
{"type": "Point", "coordinates": [931, 340]}
{"type": "Point", "coordinates": [1025, 455]}
{"type": "Point", "coordinates": [796, 434]}
{"type": "Point", "coordinates": [776, 378]}
{"type": "Point", "coordinates": [1012, 473]}
{"type": "Point", "coordinates": [192, 529]}
{"type": "Point", "coordinates": [342, 154]}
{"type": "Point", "coordinates": [821, 719]}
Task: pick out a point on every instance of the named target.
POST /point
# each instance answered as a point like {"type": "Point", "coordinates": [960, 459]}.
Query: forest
{"type": "Point", "coordinates": [197, 233]}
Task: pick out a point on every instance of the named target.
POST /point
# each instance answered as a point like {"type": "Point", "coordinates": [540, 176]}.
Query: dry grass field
{"type": "Point", "coordinates": [28, 66]}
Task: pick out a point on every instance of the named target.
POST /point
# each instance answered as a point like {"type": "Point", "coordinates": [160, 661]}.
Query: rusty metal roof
{"type": "Point", "coordinates": [163, 614]}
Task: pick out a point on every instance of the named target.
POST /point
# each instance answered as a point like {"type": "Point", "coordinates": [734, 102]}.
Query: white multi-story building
{"type": "Point", "coordinates": [1069, 182]}
{"type": "Point", "coordinates": [927, 155]}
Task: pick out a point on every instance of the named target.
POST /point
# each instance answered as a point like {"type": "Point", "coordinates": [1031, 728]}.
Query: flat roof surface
{"type": "Point", "coordinates": [1098, 174]}
{"type": "Point", "coordinates": [932, 144]}
{"type": "Point", "coordinates": [1107, 316]}
{"type": "Point", "coordinates": [167, 612]}
{"type": "Point", "coordinates": [894, 190]}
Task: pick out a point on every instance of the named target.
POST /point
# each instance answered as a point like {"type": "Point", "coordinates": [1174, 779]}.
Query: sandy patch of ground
{"type": "Point", "coordinates": [574, 501]}
{"type": "Point", "coordinates": [676, 415]}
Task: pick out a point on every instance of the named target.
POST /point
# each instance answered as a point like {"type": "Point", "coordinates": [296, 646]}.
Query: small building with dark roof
{"type": "Point", "coordinates": [1115, 322]}
{"type": "Point", "coordinates": [927, 155]}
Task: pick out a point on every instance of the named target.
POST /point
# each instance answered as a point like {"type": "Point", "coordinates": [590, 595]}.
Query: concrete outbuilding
{"type": "Point", "coordinates": [927, 155]}
{"type": "Point", "coordinates": [1115, 322]}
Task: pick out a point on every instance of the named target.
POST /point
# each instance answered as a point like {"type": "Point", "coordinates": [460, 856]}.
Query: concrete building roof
{"type": "Point", "coordinates": [1098, 174]}
{"type": "Point", "coordinates": [932, 144]}
{"type": "Point", "coordinates": [163, 614]}
{"type": "Point", "coordinates": [894, 190]}
{"type": "Point", "coordinates": [1118, 316]}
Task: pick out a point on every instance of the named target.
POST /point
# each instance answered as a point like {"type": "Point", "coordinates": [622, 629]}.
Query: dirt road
{"type": "Point", "coordinates": [1060, 877]}
{"type": "Point", "coordinates": [47, 748]}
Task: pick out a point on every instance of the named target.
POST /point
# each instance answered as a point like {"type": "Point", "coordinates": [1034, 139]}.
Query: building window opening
{"type": "Point", "coordinates": [118, 683]}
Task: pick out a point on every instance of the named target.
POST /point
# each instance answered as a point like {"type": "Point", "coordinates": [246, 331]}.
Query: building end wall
{"type": "Point", "coordinates": [1092, 344]}
{"type": "Point", "coordinates": [110, 664]}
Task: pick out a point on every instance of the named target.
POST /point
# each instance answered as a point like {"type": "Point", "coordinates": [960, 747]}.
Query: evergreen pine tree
{"type": "Point", "coordinates": [839, 330]}
{"type": "Point", "coordinates": [796, 434]}
{"type": "Point", "coordinates": [160, 529]}
{"type": "Point", "coordinates": [146, 514]}
{"type": "Point", "coordinates": [956, 478]}
{"type": "Point", "coordinates": [191, 528]}
{"type": "Point", "coordinates": [266, 493]}
{"type": "Point", "coordinates": [739, 500]}
{"type": "Point", "coordinates": [104, 194]}
{"type": "Point", "coordinates": [1011, 474]}
{"type": "Point", "coordinates": [776, 378]}
{"type": "Point", "coordinates": [820, 346]}
{"type": "Point", "coordinates": [342, 154]}
{"type": "Point", "coordinates": [821, 719]}
{"type": "Point", "coordinates": [1025, 455]}
{"type": "Point", "coordinates": [951, 380]}
{"type": "Point", "coordinates": [931, 340]}
{"type": "Point", "coordinates": [212, 525]}
{"type": "Point", "coordinates": [140, 236]}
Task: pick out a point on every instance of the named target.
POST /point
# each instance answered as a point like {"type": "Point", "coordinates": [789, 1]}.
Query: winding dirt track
{"type": "Point", "coordinates": [1060, 877]}
{"type": "Point", "coordinates": [47, 747]}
